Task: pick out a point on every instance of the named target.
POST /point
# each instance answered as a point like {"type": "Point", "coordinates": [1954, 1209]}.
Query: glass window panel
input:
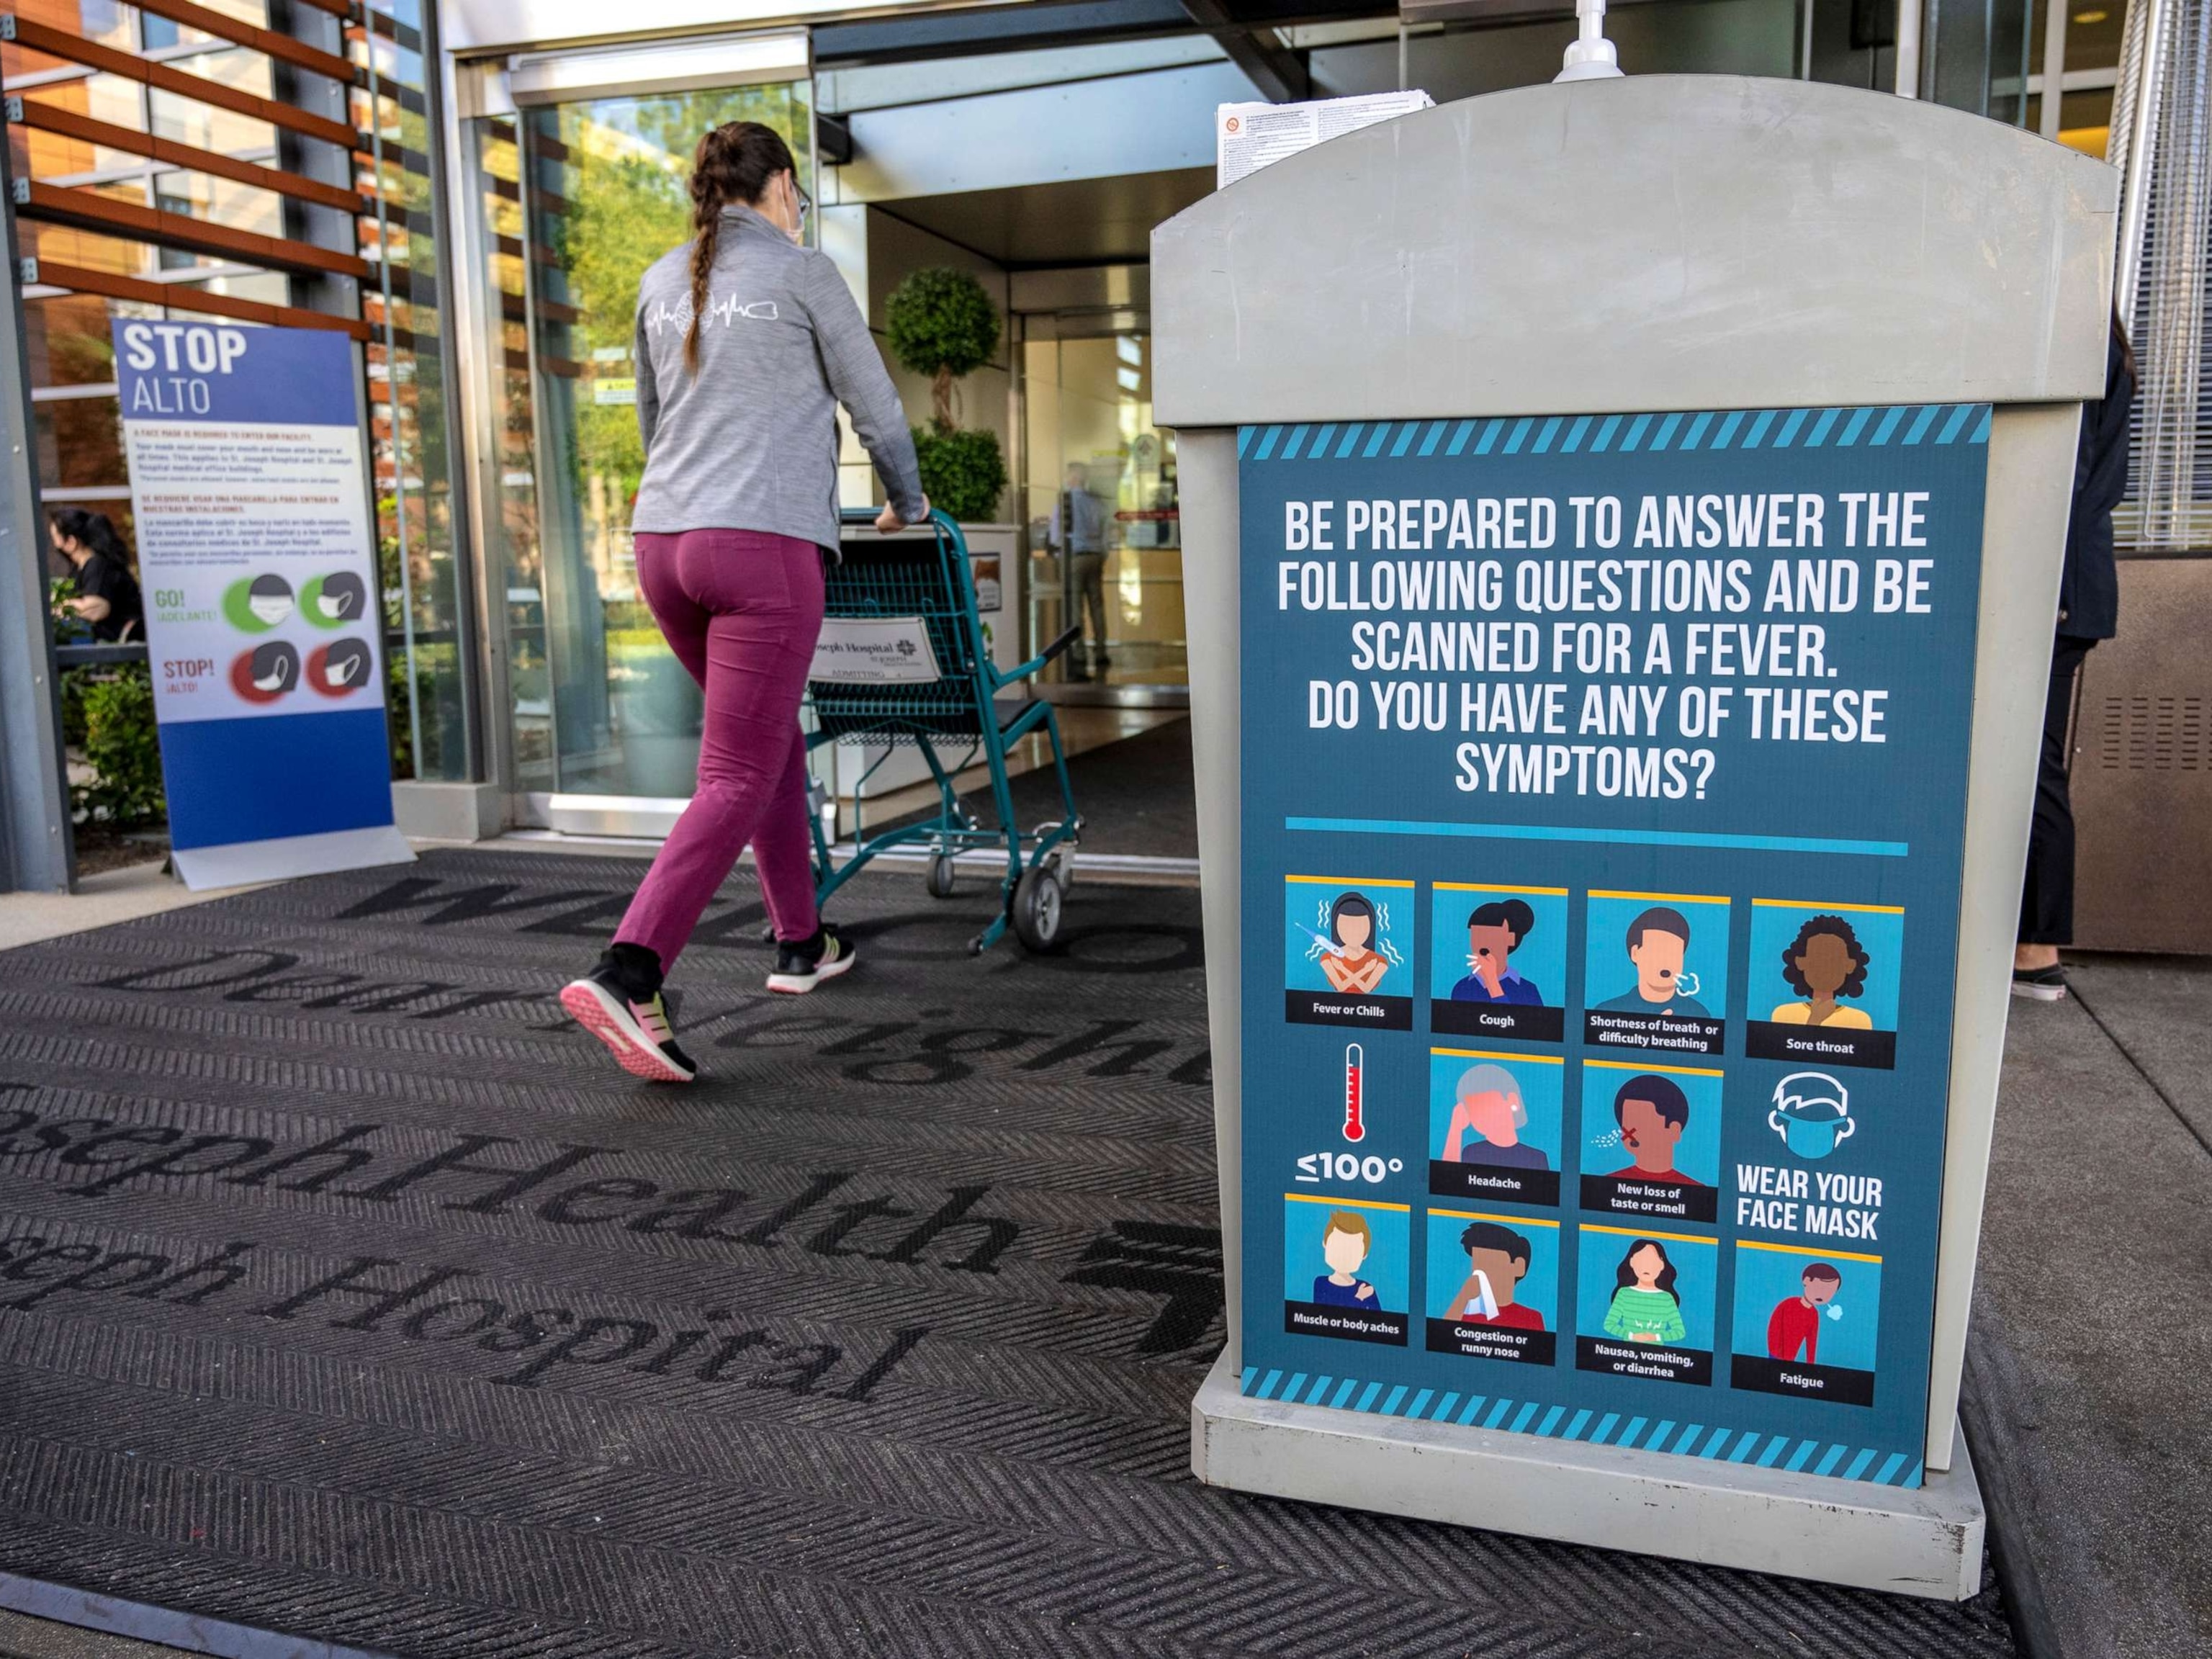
{"type": "Point", "coordinates": [221, 202]}
{"type": "Point", "coordinates": [264, 286]}
{"type": "Point", "coordinates": [108, 98]}
{"type": "Point", "coordinates": [80, 443]}
{"type": "Point", "coordinates": [1087, 415]}
{"type": "Point", "coordinates": [240, 68]}
{"type": "Point", "coordinates": [80, 247]}
{"type": "Point", "coordinates": [598, 704]}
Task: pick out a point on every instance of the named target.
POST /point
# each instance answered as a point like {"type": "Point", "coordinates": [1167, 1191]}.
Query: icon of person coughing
{"type": "Point", "coordinates": [1494, 931]}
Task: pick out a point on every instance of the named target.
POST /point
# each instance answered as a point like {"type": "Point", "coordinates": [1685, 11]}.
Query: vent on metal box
{"type": "Point", "coordinates": [2151, 734]}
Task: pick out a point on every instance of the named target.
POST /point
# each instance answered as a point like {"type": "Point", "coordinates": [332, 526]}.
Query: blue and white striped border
{"type": "Point", "coordinates": [1905, 424]}
{"type": "Point", "coordinates": [1664, 1434]}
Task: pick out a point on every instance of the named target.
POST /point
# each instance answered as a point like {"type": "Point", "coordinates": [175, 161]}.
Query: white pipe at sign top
{"type": "Point", "coordinates": [1908, 48]}
{"type": "Point", "coordinates": [2054, 65]}
{"type": "Point", "coordinates": [2135, 186]}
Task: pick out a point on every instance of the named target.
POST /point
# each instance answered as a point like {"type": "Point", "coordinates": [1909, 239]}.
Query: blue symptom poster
{"type": "Point", "coordinates": [1604, 787]}
{"type": "Point", "coordinates": [264, 611]}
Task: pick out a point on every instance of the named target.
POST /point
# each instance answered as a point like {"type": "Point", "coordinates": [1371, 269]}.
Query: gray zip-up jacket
{"type": "Point", "coordinates": [750, 443]}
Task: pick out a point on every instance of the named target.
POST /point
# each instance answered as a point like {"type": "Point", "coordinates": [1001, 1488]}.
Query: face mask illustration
{"type": "Point", "coordinates": [340, 598]}
{"type": "Point", "coordinates": [272, 669]}
{"type": "Point", "coordinates": [1811, 1112]}
{"type": "Point", "coordinates": [341, 668]}
{"type": "Point", "coordinates": [269, 599]}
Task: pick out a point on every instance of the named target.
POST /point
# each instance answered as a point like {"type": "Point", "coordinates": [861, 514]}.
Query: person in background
{"type": "Point", "coordinates": [1078, 533]}
{"type": "Point", "coordinates": [747, 341]}
{"type": "Point", "coordinates": [107, 596]}
{"type": "Point", "coordinates": [2088, 610]}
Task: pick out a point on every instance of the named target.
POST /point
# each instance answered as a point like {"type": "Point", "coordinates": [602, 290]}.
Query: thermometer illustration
{"type": "Point", "coordinates": [1355, 1067]}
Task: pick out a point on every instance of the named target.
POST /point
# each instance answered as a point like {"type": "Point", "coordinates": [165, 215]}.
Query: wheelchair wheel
{"type": "Point", "coordinates": [938, 878]}
{"type": "Point", "coordinates": [1036, 911]}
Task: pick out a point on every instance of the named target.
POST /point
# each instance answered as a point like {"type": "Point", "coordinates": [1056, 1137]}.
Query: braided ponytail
{"type": "Point", "coordinates": [733, 164]}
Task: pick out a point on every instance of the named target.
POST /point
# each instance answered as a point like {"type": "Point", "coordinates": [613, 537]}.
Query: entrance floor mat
{"type": "Point", "coordinates": [349, 1290]}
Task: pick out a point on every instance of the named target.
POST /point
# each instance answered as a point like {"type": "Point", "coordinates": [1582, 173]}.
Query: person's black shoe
{"type": "Point", "coordinates": [620, 1002]}
{"type": "Point", "coordinates": [803, 964]}
{"type": "Point", "coordinates": [2040, 984]}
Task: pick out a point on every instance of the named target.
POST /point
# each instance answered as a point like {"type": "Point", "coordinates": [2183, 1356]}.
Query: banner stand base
{"type": "Point", "coordinates": [1925, 1541]}
{"type": "Point", "coordinates": [239, 863]}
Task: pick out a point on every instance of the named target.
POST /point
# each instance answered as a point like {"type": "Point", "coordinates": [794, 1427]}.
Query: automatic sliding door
{"type": "Point", "coordinates": [580, 198]}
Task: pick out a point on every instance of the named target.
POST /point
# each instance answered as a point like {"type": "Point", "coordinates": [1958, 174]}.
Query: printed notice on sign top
{"type": "Point", "coordinates": [1603, 786]}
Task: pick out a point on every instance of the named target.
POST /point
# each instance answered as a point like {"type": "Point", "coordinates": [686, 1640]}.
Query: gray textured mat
{"type": "Point", "coordinates": [345, 1289]}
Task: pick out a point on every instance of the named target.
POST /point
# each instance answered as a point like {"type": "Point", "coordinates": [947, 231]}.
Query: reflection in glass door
{"type": "Point", "coordinates": [1104, 528]}
{"type": "Point", "coordinates": [578, 199]}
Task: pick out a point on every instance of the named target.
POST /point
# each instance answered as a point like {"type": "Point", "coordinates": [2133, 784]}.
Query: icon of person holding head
{"type": "Point", "coordinates": [1345, 1243]}
{"type": "Point", "coordinates": [1644, 1306]}
{"type": "Point", "coordinates": [1489, 1107]}
{"type": "Point", "coordinates": [1348, 960]}
{"type": "Point", "coordinates": [1824, 964]}
{"type": "Point", "coordinates": [1494, 931]}
{"type": "Point", "coordinates": [1652, 1112]}
{"type": "Point", "coordinates": [1498, 1261]}
{"type": "Point", "coordinates": [1795, 1325]}
{"type": "Point", "coordinates": [1658, 940]}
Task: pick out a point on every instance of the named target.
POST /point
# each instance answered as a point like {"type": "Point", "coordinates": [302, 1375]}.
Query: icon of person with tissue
{"type": "Point", "coordinates": [1658, 940]}
{"type": "Point", "coordinates": [1498, 1261]}
{"type": "Point", "coordinates": [1488, 1106]}
{"type": "Point", "coordinates": [1795, 1325]}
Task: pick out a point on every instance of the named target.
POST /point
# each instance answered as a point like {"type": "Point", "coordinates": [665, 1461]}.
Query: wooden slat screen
{"type": "Point", "coordinates": [113, 285]}
{"type": "Point", "coordinates": [52, 118]}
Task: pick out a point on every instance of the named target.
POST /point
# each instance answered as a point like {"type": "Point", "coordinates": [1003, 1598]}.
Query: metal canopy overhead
{"type": "Point", "coordinates": [1077, 221]}
{"type": "Point", "coordinates": [1245, 29]}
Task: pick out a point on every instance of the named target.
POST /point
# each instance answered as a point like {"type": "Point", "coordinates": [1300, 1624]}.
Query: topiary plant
{"type": "Point", "coordinates": [963, 472]}
{"type": "Point", "coordinates": [942, 324]}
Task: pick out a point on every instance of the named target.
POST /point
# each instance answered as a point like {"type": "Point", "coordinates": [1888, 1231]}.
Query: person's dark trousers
{"type": "Point", "coordinates": [2046, 902]}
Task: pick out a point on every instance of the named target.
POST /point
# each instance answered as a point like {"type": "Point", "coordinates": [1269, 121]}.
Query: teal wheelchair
{"type": "Point", "coordinates": [903, 645]}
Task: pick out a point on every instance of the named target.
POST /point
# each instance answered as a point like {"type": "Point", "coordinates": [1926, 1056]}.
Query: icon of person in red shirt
{"type": "Point", "coordinates": [1794, 1324]}
{"type": "Point", "coordinates": [1498, 1261]}
{"type": "Point", "coordinates": [1652, 1112]}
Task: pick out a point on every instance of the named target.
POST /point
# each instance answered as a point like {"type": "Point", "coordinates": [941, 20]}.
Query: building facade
{"type": "Point", "coordinates": [470, 189]}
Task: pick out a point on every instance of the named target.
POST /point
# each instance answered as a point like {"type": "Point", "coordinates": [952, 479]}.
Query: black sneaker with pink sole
{"type": "Point", "coordinates": [620, 1002]}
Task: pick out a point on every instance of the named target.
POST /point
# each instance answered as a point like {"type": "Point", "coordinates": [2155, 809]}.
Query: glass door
{"type": "Point", "coordinates": [1105, 527]}
{"type": "Point", "coordinates": [579, 198]}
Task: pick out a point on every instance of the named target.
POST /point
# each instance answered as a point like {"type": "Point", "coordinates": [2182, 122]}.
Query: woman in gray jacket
{"type": "Point", "coordinates": [746, 343]}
